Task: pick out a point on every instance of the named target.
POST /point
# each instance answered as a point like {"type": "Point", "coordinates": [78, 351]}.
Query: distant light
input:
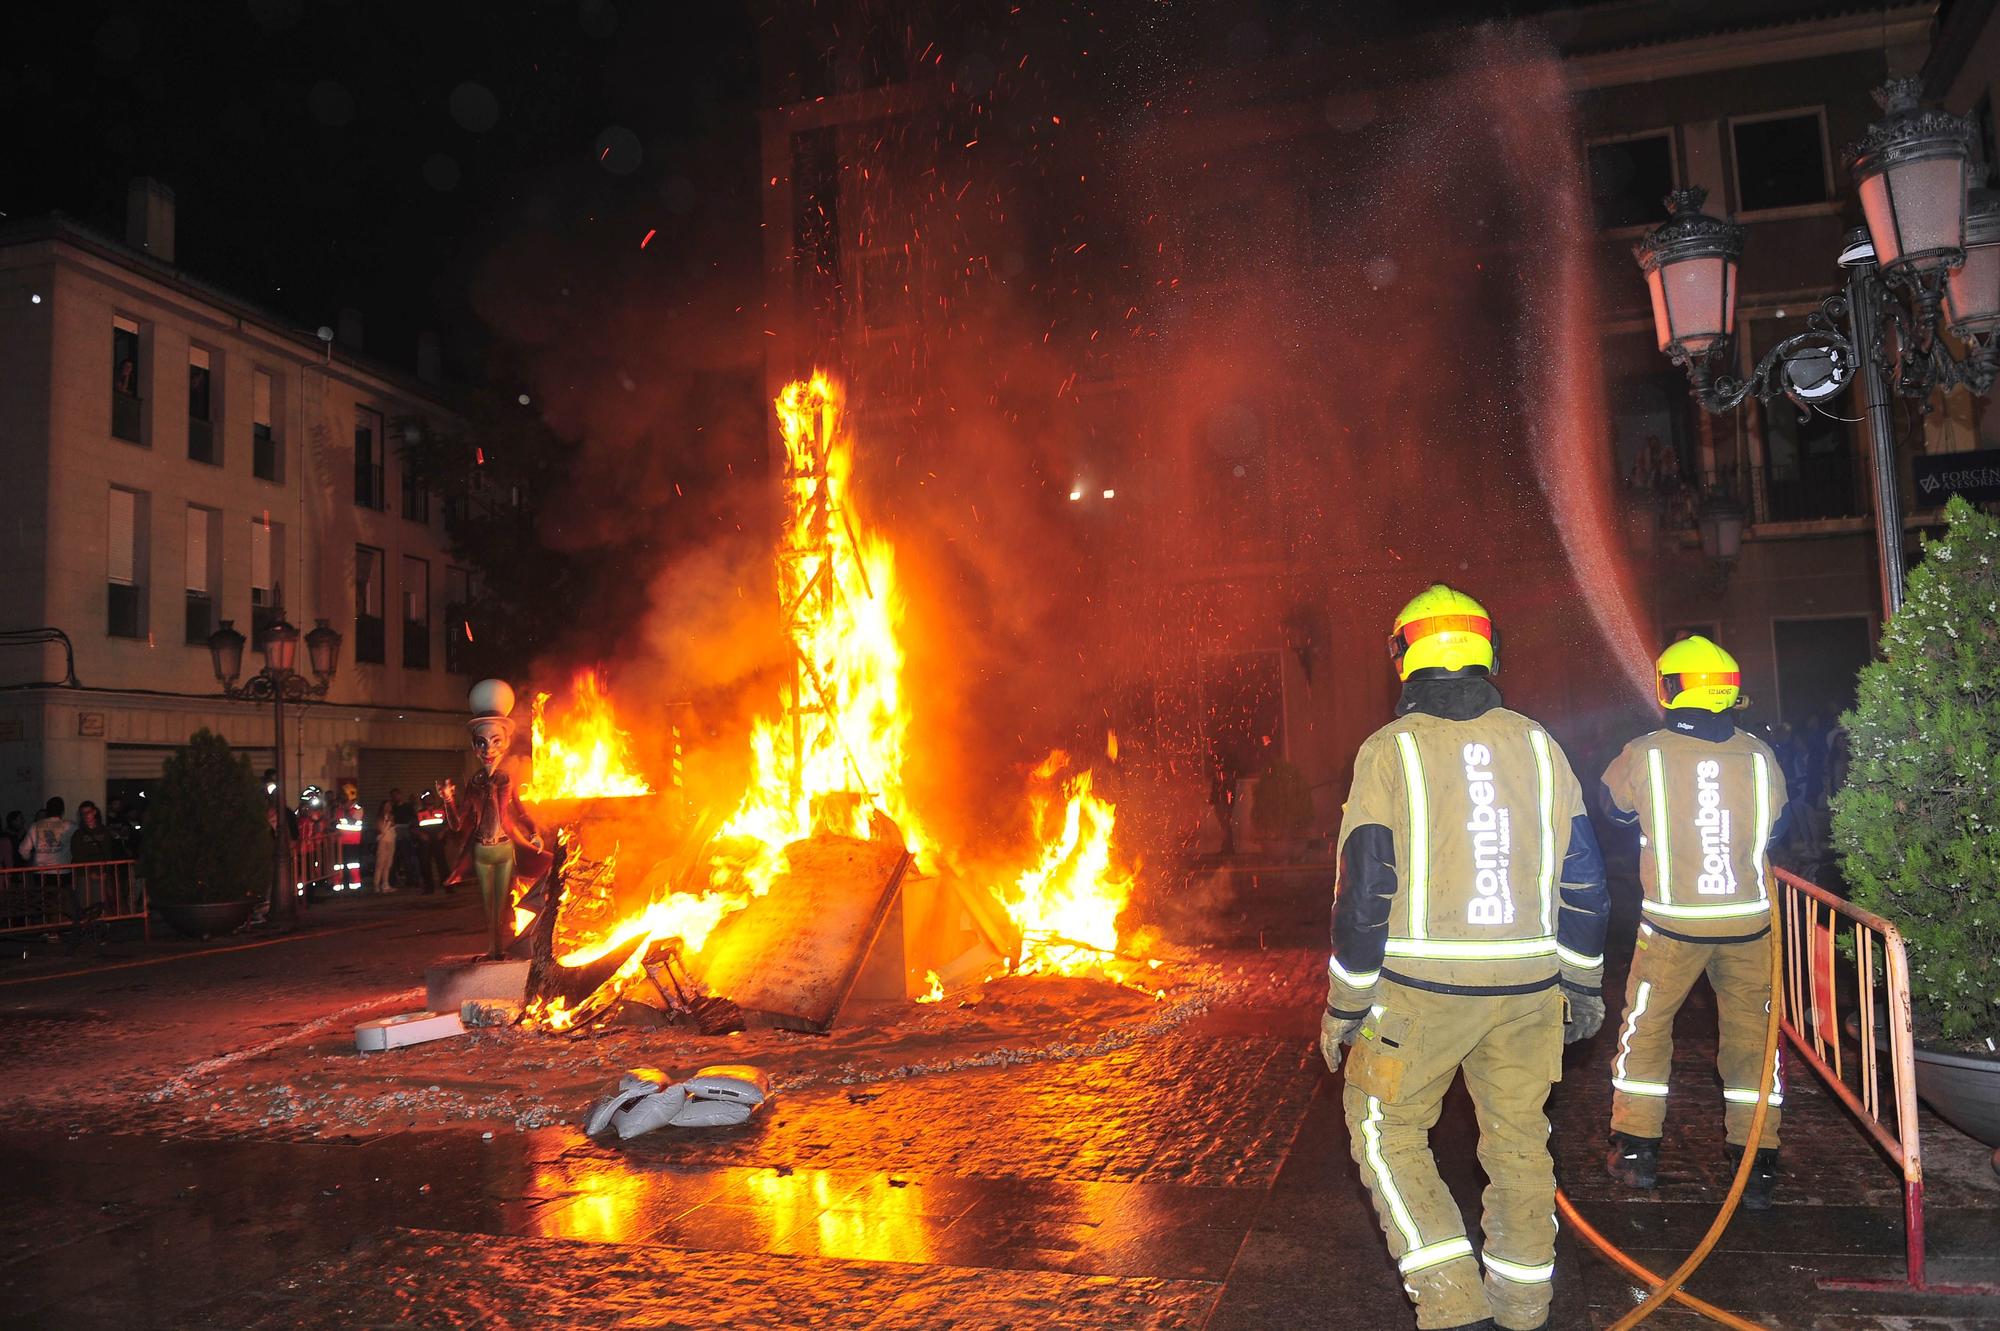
{"type": "Point", "coordinates": [35, 299]}
{"type": "Point", "coordinates": [523, 399]}
{"type": "Point", "coordinates": [1075, 495]}
{"type": "Point", "coordinates": [1110, 494]}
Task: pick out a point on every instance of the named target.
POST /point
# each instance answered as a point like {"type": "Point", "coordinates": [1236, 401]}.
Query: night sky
{"type": "Point", "coordinates": [330, 153]}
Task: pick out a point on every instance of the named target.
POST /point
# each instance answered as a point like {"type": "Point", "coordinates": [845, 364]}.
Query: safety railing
{"type": "Point", "coordinates": [314, 860]}
{"type": "Point", "coordinates": [57, 898]}
{"type": "Point", "coordinates": [1847, 1014]}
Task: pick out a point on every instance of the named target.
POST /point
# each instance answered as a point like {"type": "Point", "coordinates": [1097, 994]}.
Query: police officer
{"type": "Point", "coordinates": [1468, 935]}
{"type": "Point", "coordinates": [1709, 801]}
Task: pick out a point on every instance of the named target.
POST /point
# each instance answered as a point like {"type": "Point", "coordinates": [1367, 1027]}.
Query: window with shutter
{"type": "Point", "coordinates": [200, 585]}
{"type": "Point", "coordinates": [125, 619]}
{"type": "Point", "coordinates": [416, 613]}
{"type": "Point", "coordinates": [263, 431]}
{"type": "Point", "coordinates": [260, 561]}
{"type": "Point", "coordinates": [126, 419]}
{"type": "Point", "coordinates": [198, 520]}
{"type": "Point", "coordinates": [123, 516]}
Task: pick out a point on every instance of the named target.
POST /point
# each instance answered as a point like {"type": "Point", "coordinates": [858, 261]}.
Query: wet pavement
{"type": "Point", "coordinates": [1196, 1175]}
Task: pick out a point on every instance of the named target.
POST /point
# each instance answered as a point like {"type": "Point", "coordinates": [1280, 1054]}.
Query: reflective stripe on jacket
{"type": "Point", "coordinates": [1706, 810]}
{"type": "Point", "coordinates": [1463, 868]}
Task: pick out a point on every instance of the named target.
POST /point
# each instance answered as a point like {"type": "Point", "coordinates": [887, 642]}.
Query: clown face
{"type": "Point", "coordinates": [491, 738]}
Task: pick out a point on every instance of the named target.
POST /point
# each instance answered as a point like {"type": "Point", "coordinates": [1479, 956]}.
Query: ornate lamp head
{"type": "Point", "coordinates": [1690, 265]}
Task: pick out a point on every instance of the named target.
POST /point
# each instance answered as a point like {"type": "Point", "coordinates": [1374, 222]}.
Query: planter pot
{"type": "Point", "coordinates": [1964, 1089]}
{"type": "Point", "coordinates": [207, 919]}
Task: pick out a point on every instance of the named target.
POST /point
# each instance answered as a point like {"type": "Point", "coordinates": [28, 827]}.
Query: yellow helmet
{"type": "Point", "coordinates": [1694, 672]}
{"type": "Point", "coordinates": [1442, 629]}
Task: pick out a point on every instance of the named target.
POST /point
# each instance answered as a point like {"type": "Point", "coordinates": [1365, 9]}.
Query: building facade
{"type": "Point", "coordinates": [178, 459]}
{"type": "Point", "coordinates": [1276, 327]}
{"type": "Point", "coordinates": [1757, 113]}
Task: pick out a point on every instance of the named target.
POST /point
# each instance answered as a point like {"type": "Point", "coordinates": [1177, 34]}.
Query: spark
{"type": "Point", "coordinates": [649, 238]}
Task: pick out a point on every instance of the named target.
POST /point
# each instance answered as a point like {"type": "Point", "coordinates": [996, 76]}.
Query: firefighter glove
{"type": "Point", "coordinates": [1583, 1014]}
{"type": "Point", "coordinates": [1335, 1032]}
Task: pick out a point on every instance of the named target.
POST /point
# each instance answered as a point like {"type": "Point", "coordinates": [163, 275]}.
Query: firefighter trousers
{"type": "Point", "coordinates": [1664, 970]}
{"type": "Point", "coordinates": [1410, 1049]}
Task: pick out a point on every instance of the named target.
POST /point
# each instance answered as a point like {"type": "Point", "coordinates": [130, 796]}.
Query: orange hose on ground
{"type": "Point", "coordinates": [1671, 1287]}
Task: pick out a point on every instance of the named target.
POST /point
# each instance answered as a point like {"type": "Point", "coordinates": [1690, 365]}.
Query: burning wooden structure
{"type": "Point", "coordinates": [824, 885]}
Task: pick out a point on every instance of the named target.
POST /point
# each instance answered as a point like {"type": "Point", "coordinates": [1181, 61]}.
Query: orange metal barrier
{"type": "Point", "coordinates": [314, 860]}
{"type": "Point", "coordinates": [58, 897]}
{"type": "Point", "coordinates": [1872, 1069]}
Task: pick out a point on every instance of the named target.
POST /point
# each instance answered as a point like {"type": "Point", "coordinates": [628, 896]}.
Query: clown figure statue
{"type": "Point", "coordinates": [500, 843]}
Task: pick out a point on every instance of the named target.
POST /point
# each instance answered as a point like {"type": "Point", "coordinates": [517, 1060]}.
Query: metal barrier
{"type": "Point", "coordinates": [313, 861]}
{"type": "Point", "coordinates": [70, 896]}
{"type": "Point", "coordinates": [1873, 982]}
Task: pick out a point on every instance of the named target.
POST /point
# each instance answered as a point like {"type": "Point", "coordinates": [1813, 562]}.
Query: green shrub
{"type": "Point", "coordinates": [1916, 822]}
{"type": "Point", "coordinates": [207, 836]}
{"type": "Point", "coordinates": [1284, 805]}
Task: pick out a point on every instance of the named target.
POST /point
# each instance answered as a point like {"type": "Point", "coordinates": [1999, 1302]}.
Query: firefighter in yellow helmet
{"type": "Point", "coordinates": [1709, 801]}
{"type": "Point", "coordinates": [1468, 936]}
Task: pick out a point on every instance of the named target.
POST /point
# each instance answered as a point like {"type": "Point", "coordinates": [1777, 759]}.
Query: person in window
{"type": "Point", "coordinates": [127, 381]}
{"type": "Point", "coordinates": [385, 848]}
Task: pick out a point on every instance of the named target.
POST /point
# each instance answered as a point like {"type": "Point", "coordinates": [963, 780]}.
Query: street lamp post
{"type": "Point", "coordinates": [278, 681]}
{"type": "Point", "coordinates": [1929, 255]}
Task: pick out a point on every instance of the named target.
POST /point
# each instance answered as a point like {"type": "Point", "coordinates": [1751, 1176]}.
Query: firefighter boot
{"type": "Point", "coordinates": [1634, 1161]}
{"type": "Point", "coordinates": [1763, 1184]}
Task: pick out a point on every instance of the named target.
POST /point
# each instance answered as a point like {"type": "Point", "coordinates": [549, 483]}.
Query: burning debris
{"type": "Point", "coordinates": [825, 883]}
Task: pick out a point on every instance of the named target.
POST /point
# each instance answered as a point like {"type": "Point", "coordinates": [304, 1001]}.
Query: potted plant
{"type": "Point", "coordinates": [207, 853]}
{"type": "Point", "coordinates": [1916, 823]}
{"type": "Point", "coordinates": [1282, 809]}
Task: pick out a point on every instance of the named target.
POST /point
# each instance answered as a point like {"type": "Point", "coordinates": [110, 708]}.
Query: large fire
{"type": "Point", "coordinates": [590, 758]}
{"type": "Point", "coordinates": [831, 760]}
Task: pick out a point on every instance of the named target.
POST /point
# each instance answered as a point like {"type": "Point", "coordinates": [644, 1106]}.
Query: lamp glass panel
{"type": "Point", "coordinates": [281, 650]}
{"type": "Point", "coordinates": [1929, 199]}
{"type": "Point", "coordinates": [1657, 290]}
{"type": "Point", "coordinates": [227, 649]}
{"type": "Point", "coordinates": [1881, 219]}
{"type": "Point", "coordinates": [1697, 299]}
{"type": "Point", "coordinates": [1972, 290]}
{"type": "Point", "coordinates": [1729, 535]}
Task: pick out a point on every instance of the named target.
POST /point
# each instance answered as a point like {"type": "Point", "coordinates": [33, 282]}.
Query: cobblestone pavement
{"type": "Point", "coordinates": [433, 1279]}
{"type": "Point", "coordinates": [1196, 1178]}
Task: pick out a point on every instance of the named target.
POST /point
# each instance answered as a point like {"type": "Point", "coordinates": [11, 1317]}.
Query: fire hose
{"type": "Point", "coordinates": [1670, 1288]}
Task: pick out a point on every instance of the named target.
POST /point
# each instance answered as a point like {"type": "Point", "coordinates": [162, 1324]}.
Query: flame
{"type": "Point", "coordinates": [831, 760]}
{"type": "Point", "coordinates": [1067, 904]}
{"type": "Point", "coordinates": [588, 756]}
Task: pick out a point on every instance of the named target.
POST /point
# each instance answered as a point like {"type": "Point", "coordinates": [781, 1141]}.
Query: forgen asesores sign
{"type": "Point", "coordinates": [1939, 476]}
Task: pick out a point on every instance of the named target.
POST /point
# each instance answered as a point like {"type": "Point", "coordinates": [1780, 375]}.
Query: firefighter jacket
{"type": "Point", "coordinates": [1709, 801]}
{"type": "Point", "coordinates": [1467, 863]}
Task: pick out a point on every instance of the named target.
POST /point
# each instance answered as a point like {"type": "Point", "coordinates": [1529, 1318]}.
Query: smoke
{"type": "Point", "coordinates": [1321, 328]}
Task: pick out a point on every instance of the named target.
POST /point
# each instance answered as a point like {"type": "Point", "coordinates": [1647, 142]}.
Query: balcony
{"type": "Point", "coordinates": [126, 617]}
{"type": "Point", "coordinates": [369, 491]}
{"type": "Point", "coordinates": [263, 453]}
{"type": "Point", "coordinates": [200, 618]}
{"type": "Point", "coordinates": [416, 646]}
{"type": "Point", "coordinates": [370, 640]}
{"type": "Point", "coordinates": [127, 413]}
{"type": "Point", "coordinates": [1816, 488]}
